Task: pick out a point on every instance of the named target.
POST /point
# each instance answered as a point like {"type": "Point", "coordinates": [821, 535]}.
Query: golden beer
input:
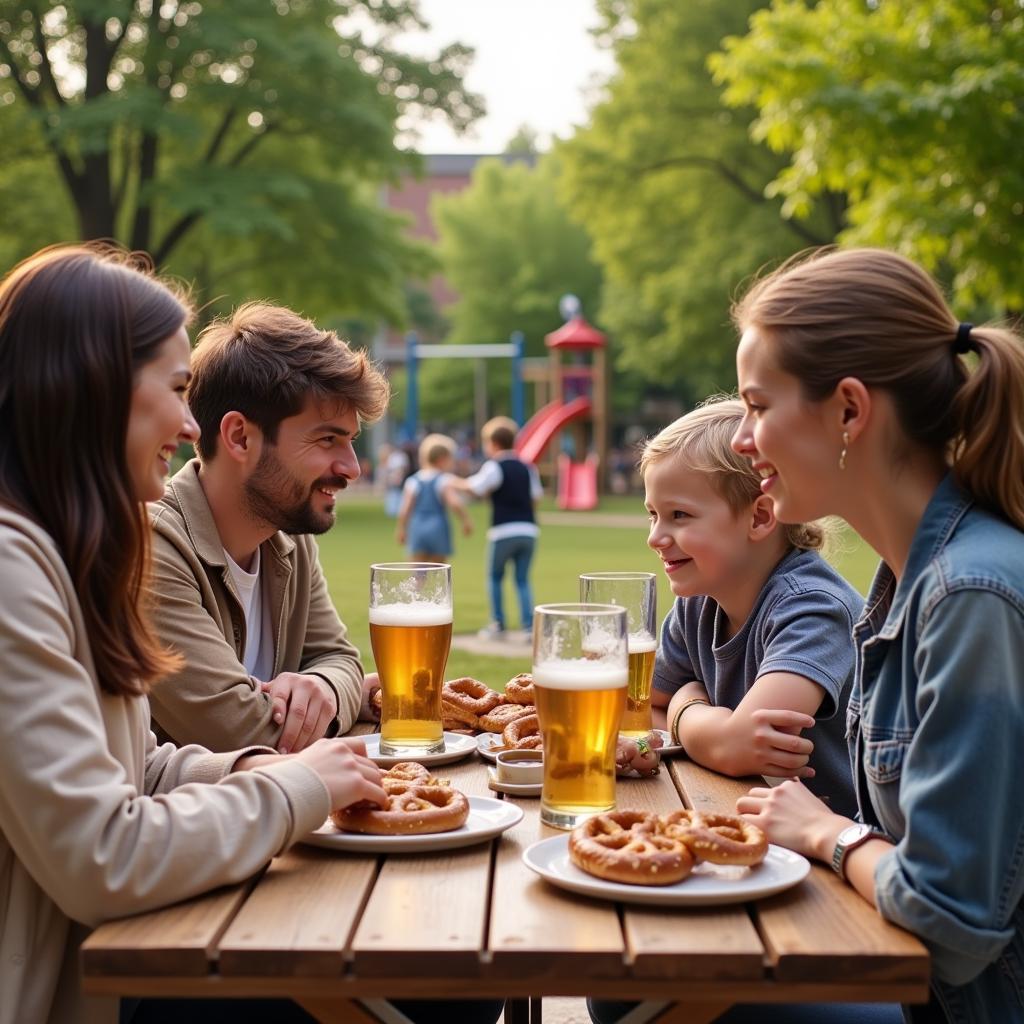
{"type": "Point", "coordinates": [579, 705]}
{"type": "Point", "coordinates": [636, 721]}
{"type": "Point", "coordinates": [410, 646]}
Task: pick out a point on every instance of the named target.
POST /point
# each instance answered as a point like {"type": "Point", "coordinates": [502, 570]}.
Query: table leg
{"type": "Point", "coordinates": [338, 1011]}
{"type": "Point", "coordinates": [517, 1011]}
{"type": "Point", "coordinates": [691, 1013]}
{"type": "Point", "coordinates": [536, 1011]}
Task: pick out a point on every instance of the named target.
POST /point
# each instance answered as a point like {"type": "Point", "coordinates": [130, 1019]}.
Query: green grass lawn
{"type": "Point", "coordinates": [364, 535]}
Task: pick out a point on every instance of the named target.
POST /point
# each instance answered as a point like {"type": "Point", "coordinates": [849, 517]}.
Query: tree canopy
{"type": "Point", "coordinates": [672, 189]}
{"type": "Point", "coordinates": [241, 142]}
{"type": "Point", "coordinates": [510, 251]}
{"type": "Point", "coordinates": [910, 107]}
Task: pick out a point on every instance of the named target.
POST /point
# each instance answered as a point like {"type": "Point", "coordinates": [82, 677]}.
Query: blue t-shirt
{"type": "Point", "coordinates": [802, 622]}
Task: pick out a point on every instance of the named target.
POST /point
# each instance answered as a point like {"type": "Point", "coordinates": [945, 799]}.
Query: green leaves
{"type": "Point", "coordinates": [913, 109]}
{"type": "Point", "coordinates": [240, 141]}
{"type": "Point", "coordinates": [674, 193]}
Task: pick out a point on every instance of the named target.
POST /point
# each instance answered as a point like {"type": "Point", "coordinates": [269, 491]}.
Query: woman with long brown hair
{"type": "Point", "coordinates": [94, 364]}
{"type": "Point", "coordinates": [867, 398]}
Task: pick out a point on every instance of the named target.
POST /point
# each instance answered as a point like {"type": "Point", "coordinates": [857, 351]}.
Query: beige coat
{"type": "Point", "coordinates": [213, 700]}
{"type": "Point", "coordinates": [96, 820]}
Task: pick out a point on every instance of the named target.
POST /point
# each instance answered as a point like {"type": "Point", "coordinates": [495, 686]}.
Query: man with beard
{"type": "Point", "coordinates": [237, 582]}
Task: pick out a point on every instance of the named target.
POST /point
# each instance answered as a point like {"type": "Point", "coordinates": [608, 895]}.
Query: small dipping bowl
{"type": "Point", "coordinates": [520, 767]}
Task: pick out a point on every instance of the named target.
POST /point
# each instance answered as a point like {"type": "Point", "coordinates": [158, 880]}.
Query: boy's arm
{"type": "Point", "coordinates": [454, 502]}
{"type": "Point", "coordinates": [761, 736]}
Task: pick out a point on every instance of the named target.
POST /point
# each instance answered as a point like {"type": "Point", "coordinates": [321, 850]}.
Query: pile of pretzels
{"type": "Point", "coordinates": [418, 804]}
{"type": "Point", "coordinates": [643, 848]}
{"type": "Point", "coordinates": [470, 706]}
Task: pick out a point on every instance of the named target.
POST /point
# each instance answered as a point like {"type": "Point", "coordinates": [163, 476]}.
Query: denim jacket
{"type": "Point", "coordinates": [936, 733]}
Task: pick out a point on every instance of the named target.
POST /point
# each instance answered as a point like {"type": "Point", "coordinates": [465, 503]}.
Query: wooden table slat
{"type": "Point", "coordinates": [822, 928]}
{"type": "Point", "coordinates": [703, 942]}
{"type": "Point", "coordinates": [300, 918]}
{"type": "Point", "coordinates": [179, 940]}
{"type": "Point", "coordinates": [532, 922]}
{"type": "Point", "coordinates": [426, 909]}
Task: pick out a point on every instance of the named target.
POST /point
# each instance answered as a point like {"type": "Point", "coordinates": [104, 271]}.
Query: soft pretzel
{"type": "Point", "coordinates": [718, 838]}
{"type": "Point", "coordinates": [631, 847]}
{"type": "Point", "coordinates": [470, 695]}
{"type": "Point", "coordinates": [418, 804]}
{"type": "Point", "coordinates": [403, 775]}
{"type": "Point", "coordinates": [455, 717]}
{"type": "Point", "coordinates": [504, 714]}
{"type": "Point", "coordinates": [519, 689]}
{"type": "Point", "coordinates": [522, 734]}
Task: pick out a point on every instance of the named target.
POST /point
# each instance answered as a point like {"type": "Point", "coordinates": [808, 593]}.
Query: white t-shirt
{"type": "Point", "coordinates": [259, 631]}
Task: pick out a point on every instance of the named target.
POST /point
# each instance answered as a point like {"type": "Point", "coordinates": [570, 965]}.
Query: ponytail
{"type": "Point", "coordinates": [988, 454]}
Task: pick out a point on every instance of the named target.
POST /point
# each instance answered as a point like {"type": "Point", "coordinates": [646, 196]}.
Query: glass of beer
{"type": "Point", "coordinates": [410, 632]}
{"type": "Point", "coordinates": [580, 670]}
{"type": "Point", "coordinates": [637, 593]}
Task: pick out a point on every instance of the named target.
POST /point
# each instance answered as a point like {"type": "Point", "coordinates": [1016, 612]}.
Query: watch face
{"type": "Point", "coordinates": [852, 833]}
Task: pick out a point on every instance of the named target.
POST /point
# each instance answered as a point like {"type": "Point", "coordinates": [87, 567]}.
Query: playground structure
{"type": "Point", "coordinates": [579, 398]}
{"type": "Point", "coordinates": [414, 352]}
{"type": "Point", "coordinates": [579, 390]}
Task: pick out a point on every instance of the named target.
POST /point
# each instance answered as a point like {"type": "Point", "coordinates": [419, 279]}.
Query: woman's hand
{"type": "Point", "coordinates": [792, 816]}
{"type": "Point", "coordinates": [346, 771]}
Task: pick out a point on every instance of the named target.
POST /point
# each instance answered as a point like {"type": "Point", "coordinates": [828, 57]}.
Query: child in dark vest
{"type": "Point", "coordinates": [513, 488]}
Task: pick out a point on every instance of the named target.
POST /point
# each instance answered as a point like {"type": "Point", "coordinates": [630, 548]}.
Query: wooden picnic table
{"type": "Point", "coordinates": [331, 929]}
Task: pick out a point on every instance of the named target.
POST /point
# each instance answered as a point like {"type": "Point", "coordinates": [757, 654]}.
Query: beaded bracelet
{"type": "Point", "coordinates": [674, 731]}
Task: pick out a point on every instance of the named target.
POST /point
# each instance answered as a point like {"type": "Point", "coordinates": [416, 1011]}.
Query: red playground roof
{"type": "Point", "coordinates": [576, 333]}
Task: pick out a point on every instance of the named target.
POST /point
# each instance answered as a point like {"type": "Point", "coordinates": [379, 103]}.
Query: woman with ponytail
{"type": "Point", "coordinates": [868, 399]}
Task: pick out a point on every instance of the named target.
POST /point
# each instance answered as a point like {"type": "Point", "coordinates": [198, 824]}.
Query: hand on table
{"type": "Point", "coordinates": [768, 742]}
{"type": "Point", "coordinates": [637, 757]}
{"type": "Point", "coordinates": [792, 816]}
{"type": "Point", "coordinates": [305, 705]}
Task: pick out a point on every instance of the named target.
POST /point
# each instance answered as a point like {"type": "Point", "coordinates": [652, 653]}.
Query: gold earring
{"type": "Point", "coordinates": [842, 454]}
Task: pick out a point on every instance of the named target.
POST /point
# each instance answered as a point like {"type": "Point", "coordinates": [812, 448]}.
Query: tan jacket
{"type": "Point", "coordinates": [213, 700]}
{"type": "Point", "coordinates": [92, 823]}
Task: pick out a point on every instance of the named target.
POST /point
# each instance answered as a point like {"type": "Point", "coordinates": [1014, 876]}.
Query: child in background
{"type": "Point", "coordinates": [758, 646]}
{"type": "Point", "coordinates": [423, 524]}
{"type": "Point", "coordinates": [513, 488]}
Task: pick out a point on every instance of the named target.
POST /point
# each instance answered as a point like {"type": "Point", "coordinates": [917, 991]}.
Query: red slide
{"type": "Point", "coordinates": [545, 423]}
{"type": "Point", "coordinates": [577, 482]}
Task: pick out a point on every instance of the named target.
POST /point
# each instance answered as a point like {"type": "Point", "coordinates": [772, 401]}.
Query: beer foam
{"type": "Point", "coordinates": [579, 674]}
{"type": "Point", "coordinates": [642, 643]}
{"type": "Point", "coordinates": [411, 613]}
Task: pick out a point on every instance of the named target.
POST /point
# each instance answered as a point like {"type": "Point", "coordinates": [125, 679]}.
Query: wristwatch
{"type": "Point", "coordinates": [849, 839]}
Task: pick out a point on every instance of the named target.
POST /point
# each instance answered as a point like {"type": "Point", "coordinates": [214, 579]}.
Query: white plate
{"type": "Point", "coordinates": [513, 788]}
{"type": "Point", "coordinates": [456, 747]}
{"type": "Point", "coordinates": [487, 818]}
{"type": "Point", "coordinates": [780, 870]}
{"type": "Point", "coordinates": [486, 742]}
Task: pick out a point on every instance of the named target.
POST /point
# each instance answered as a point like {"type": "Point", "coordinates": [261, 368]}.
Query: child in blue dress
{"type": "Point", "coordinates": [423, 524]}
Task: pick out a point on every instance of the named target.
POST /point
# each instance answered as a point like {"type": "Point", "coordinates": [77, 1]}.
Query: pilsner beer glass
{"type": "Point", "coordinates": [637, 593]}
{"type": "Point", "coordinates": [410, 632]}
{"type": "Point", "coordinates": [580, 669]}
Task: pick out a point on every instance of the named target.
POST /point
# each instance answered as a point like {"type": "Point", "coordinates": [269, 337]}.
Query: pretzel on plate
{"type": "Point", "coordinates": [718, 838]}
{"type": "Point", "coordinates": [629, 846]}
{"type": "Point", "coordinates": [470, 696]}
{"type": "Point", "coordinates": [522, 734]}
{"type": "Point", "coordinates": [519, 689]}
{"type": "Point", "coordinates": [418, 804]}
{"type": "Point", "coordinates": [504, 714]}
